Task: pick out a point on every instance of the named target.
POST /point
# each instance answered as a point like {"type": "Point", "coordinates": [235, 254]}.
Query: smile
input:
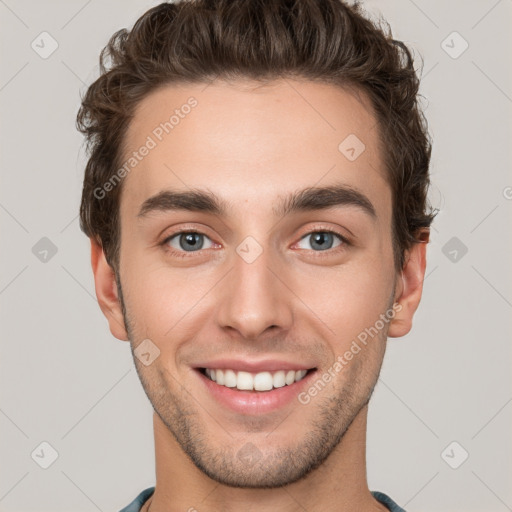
{"type": "Point", "coordinates": [248, 393]}
{"type": "Point", "coordinates": [247, 381]}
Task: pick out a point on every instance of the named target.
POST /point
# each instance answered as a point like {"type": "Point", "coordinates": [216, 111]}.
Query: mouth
{"type": "Point", "coordinates": [255, 382]}
{"type": "Point", "coordinates": [247, 393]}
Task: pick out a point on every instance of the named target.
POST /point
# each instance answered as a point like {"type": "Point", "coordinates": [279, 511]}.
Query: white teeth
{"type": "Point", "coordinates": [300, 375]}
{"type": "Point", "coordinates": [244, 380]}
{"type": "Point", "coordinates": [290, 377]}
{"type": "Point", "coordinates": [230, 379]}
{"type": "Point", "coordinates": [262, 381]}
{"type": "Point", "coordinates": [278, 380]}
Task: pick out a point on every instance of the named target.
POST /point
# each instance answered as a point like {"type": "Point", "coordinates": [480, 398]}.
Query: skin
{"type": "Point", "coordinates": [252, 146]}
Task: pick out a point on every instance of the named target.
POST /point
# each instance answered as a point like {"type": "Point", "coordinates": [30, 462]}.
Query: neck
{"type": "Point", "coordinates": [339, 484]}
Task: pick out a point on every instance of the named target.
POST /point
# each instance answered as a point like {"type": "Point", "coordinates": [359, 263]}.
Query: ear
{"type": "Point", "coordinates": [106, 291]}
{"type": "Point", "coordinates": [409, 286]}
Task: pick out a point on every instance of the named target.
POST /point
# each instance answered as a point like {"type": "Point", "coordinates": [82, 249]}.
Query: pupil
{"type": "Point", "coordinates": [320, 239]}
{"type": "Point", "coordinates": [191, 239]}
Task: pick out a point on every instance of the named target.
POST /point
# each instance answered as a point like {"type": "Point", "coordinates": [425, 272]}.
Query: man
{"type": "Point", "coordinates": [256, 202]}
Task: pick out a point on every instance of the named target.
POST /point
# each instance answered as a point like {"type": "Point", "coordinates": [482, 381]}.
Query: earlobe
{"type": "Point", "coordinates": [106, 291]}
{"type": "Point", "coordinates": [411, 287]}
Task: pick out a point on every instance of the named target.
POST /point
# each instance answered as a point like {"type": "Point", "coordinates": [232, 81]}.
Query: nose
{"type": "Point", "coordinates": [253, 299]}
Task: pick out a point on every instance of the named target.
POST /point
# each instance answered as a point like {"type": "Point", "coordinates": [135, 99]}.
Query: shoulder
{"type": "Point", "coordinates": [137, 503]}
{"type": "Point", "coordinates": [387, 501]}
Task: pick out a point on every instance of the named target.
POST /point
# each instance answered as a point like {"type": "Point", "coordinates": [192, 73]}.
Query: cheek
{"type": "Point", "coordinates": [162, 301]}
{"type": "Point", "coordinates": [352, 309]}
{"type": "Point", "coordinates": [347, 300]}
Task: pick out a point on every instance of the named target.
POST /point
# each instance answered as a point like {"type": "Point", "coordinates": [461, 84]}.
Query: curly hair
{"type": "Point", "coordinates": [198, 41]}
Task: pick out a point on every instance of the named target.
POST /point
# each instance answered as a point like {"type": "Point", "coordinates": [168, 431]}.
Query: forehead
{"type": "Point", "coordinates": [252, 143]}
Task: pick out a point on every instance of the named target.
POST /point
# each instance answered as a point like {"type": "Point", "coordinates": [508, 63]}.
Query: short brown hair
{"type": "Point", "coordinates": [197, 41]}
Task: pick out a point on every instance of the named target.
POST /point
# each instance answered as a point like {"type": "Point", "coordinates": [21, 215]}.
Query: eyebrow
{"type": "Point", "coordinates": [309, 199]}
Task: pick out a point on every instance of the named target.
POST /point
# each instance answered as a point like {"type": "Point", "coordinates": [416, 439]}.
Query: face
{"type": "Point", "coordinates": [278, 259]}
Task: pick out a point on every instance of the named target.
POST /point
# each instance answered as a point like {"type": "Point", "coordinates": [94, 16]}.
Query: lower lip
{"type": "Point", "coordinates": [255, 402]}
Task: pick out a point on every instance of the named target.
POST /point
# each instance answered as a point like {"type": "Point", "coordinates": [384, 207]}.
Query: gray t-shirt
{"type": "Point", "coordinates": [137, 503]}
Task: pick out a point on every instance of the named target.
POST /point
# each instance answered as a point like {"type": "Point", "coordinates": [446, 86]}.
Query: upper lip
{"type": "Point", "coordinates": [269, 365]}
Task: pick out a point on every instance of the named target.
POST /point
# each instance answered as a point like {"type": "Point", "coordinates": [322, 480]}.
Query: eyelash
{"type": "Point", "coordinates": [186, 254]}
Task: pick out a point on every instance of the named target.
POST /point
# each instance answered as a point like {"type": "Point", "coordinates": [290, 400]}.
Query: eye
{"type": "Point", "coordinates": [323, 240]}
{"type": "Point", "coordinates": [188, 241]}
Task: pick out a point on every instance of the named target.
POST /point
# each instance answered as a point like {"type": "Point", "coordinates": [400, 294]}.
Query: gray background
{"type": "Point", "coordinates": [67, 382]}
